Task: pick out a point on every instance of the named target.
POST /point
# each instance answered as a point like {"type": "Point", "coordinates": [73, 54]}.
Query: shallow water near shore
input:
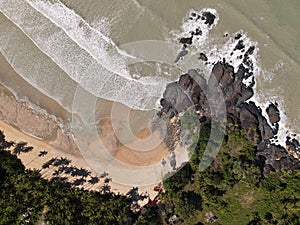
{"type": "Point", "coordinates": [273, 24]}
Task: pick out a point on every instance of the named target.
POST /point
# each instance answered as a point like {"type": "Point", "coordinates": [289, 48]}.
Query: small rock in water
{"type": "Point", "coordinates": [225, 34]}
{"type": "Point", "coordinates": [250, 50]}
{"type": "Point", "coordinates": [198, 31]}
{"type": "Point", "coordinates": [238, 36]}
{"type": "Point", "coordinates": [188, 41]}
{"type": "Point", "coordinates": [203, 57]}
{"type": "Point", "coordinates": [208, 17]}
{"type": "Point", "coordinates": [240, 45]}
{"type": "Point", "coordinates": [181, 55]}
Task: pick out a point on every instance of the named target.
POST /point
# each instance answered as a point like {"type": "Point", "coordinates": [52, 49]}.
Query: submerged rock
{"type": "Point", "coordinates": [181, 54]}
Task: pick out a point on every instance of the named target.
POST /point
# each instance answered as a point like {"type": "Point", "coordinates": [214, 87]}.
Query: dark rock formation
{"type": "Point", "coordinates": [185, 81]}
{"type": "Point", "coordinates": [193, 89]}
{"type": "Point", "coordinates": [240, 45]}
{"type": "Point", "coordinates": [273, 113]}
{"type": "Point", "coordinates": [250, 51]}
{"type": "Point", "coordinates": [198, 31]}
{"type": "Point", "coordinates": [238, 36]}
{"type": "Point", "coordinates": [188, 40]}
{"type": "Point", "coordinates": [292, 144]}
{"type": "Point", "coordinates": [208, 17]}
{"type": "Point", "coordinates": [273, 157]}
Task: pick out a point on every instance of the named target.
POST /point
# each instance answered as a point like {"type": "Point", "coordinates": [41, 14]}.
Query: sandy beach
{"type": "Point", "coordinates": [20, 123]}
{"type": "Point", "coordinates": [126, 155]}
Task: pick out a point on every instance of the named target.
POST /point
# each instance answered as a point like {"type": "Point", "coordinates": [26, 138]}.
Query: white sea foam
{"type": "Point", "coordinates": [77, 62]}
{"type": "Point", "coordinates": [94, 41]}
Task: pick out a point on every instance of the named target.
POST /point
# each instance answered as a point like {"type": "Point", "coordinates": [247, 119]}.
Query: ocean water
{"type": "Point", "coordinates": [57, 47]}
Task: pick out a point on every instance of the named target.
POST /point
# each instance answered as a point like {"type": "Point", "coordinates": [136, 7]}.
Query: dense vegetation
{"type": "Point", "coordinates": [232, 191]}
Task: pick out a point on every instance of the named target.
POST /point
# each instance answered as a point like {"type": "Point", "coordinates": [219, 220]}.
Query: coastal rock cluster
{"type": "Point", "coordinates": [205, 17]}
{"type": "Point", "coordinates": [194, 90]}
{"type": "Point", "coordinates": [227, 92]}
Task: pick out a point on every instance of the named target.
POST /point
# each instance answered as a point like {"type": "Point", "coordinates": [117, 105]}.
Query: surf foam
{"type": "Point", "coordinates": [78, 63]}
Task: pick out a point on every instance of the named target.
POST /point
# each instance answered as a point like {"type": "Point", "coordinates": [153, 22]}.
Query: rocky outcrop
{"type": "Point", "coordinates": [271, 157]}
{"type": "Point", "coordinates": [187, 92]}
{"type": "Point", "coordinates": [192, 89]}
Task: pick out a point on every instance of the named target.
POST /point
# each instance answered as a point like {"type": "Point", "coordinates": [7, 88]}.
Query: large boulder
{"type": "Point", "coordinates": [273, 113]}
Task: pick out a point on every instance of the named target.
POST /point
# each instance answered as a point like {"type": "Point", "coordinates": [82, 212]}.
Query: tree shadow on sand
{"type": "Point", "coordinates": [3, 143]}
{"type": "Point", "coordinates": [56, 162]}
{"type": "Point", "coordinates": [105, 189]}
{"type": "Point", "coordinates": [62, 180]}
{"type": "Point", "coordinates": [94, 180]}
{"type": "Point", "coordinates": [135, 196]}
{"type": "Point", "coordinates": [42, 153]}
{"type": "Point", "coordinates": [62, 162]}
{"type": "Point", "coordinates": [49, 163]}
{"type": "Point", "coordinates": [22, 147]}
{"type": "Point", "coordinates": [80, 172]}
{"type": "Point", "coordinates": [79, 181]}
{"type": "Point", "coordinates": [62, 167]}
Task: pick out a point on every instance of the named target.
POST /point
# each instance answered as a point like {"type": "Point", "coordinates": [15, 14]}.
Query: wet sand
{"type": "Point", "coordinates": [26, 92]}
